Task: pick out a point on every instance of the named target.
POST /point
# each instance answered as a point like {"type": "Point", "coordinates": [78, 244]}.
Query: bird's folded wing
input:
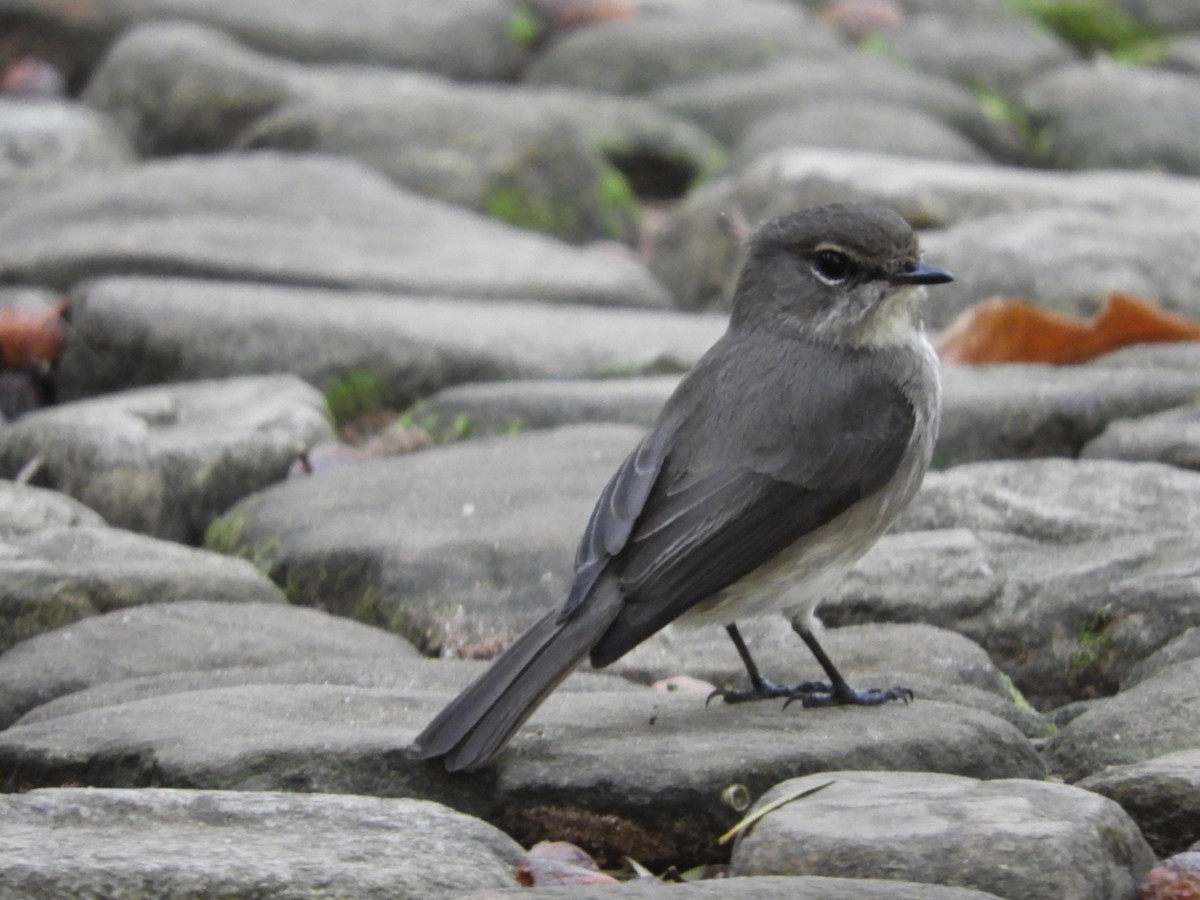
{"type": "Point", "coordinates": [720, 512]}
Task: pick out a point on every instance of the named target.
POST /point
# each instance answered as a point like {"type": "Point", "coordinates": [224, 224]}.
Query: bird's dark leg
{"type": "Point", "coordinates": [810, 693]}
{"type": "Point", "coordinates": [837, 692]}
{"type": "Point", "coordinates": [760, 688]}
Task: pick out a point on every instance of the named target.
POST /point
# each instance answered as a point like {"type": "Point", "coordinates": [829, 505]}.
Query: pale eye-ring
{"type": "Point", "coordinates": [831, 265]}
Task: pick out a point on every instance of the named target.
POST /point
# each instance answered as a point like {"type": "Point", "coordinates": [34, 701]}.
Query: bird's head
{"type": "Point", "coordinates": [846, 274]}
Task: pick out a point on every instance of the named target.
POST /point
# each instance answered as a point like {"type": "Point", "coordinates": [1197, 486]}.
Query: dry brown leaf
{"type": "Point", "coordinates": [1011, 330]}
{"type": "Point", "coordinates": [32, 336]}
{"type": "Point", "coordinates": [559, 862]}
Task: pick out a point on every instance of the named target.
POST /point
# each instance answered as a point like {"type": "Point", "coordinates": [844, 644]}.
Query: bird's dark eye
{"type": "Point", "coordinates": [831, 265]}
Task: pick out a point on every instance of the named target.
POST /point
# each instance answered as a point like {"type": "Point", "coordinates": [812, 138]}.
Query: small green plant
{"type": "Point", "coordinates": [514, 206]}
{"type": "Point", "coordinates": [1089, 25]}
{"type": "Point", "coordinates": [1038, 139]}
{"type": "Point", "coordinates": [460, 428]}
{"type": "Point", "coordinates": [524, 27]}
{"type": "Point", "coordinates": [226, 534]}
{"type": "Point", "coordinates": [355, 394]}
{"type": "Point", "coordinates": [617, 203]}
{"type": "Point", "coordinates": [1096, 641]}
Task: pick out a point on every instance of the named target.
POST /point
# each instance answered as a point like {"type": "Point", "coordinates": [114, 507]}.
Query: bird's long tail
{"type": "Point", "coordinates": [481, 720]}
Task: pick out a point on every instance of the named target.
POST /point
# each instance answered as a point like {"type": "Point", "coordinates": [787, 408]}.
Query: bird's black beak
{"type": "Point", "coordinates": [919, 273]}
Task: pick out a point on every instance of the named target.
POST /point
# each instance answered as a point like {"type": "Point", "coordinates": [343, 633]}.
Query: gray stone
{"type": "Point", "coordinates": [997, 48]}
{"type": "Point", "coordinates": [696, 256]}
{"type": "Point", "coordinates": [186, 636]}
{"type": "Point", "coordinates": [541, 158]}
{"type": "Point", "coordinates": [1069, 260]}
{"type": "Point", "coordinates": [862, 126]}
{"type": "Point", "coordinates": [168, 843]}
{"type": "Point", "coordinates": [507, 406]}
{"type": "Point", "coordinates": [469, 39]}
{"type": "Point", "coordinates": [55, 576]}
{"type": "Point", "coordinates": [1168, 15]}
{"type": "Point", "coordinates": [1102, 116]}
{"type": "Point", "coordinates": [167, 460]}
{"type": "Point", "coordinates": [1068, 573]}
{"type": "Point", "coordinates": [397, 667]}
{"type": "Point", "coordinates": [1019, 411]}
{"type": "Point", "coordinates": [1014, 838]}
{"type": "Point", "coordinates": [728, 104]}
{"type": "Point", "coordinates": [1183, 648]}
{"type": "Point", "coordinates": [26, 510]}
{"type": "Point", "coordinates": [518, 163]}
{"type": "Point", "coordinates": [934, 663]}
{"type": "Point", "coordinates": [1161, 794]}
{"type": "Point", "coordinates": [627, 773]}
{"type": "Point", "coordinates": [680, 42]}
{"type": "Point", "coordinates": [1157, 716]}
{"type": "Point", "coordinates": [763, 888]}
{"type": "Point", "coordinates": [137, 331]}
{"type": "Point", "coordinates": [989, 412]}
{"type": "Point", "coordinates": [441, 545]}
{"type": "Point", "coordinates": [251, 217]}
{"type": "Point", "coordinates": [1171, 437]}
{"type": "Point", "coordinates": [42, 143]}
{"type": "Point", "coordinates": [1182, 53]}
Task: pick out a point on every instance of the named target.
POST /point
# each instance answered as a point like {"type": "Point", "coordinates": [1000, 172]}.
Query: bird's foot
{"type": "Point", "coordinates": [765, 689]}
{"type": "Point", "coordinates": [844, 695]}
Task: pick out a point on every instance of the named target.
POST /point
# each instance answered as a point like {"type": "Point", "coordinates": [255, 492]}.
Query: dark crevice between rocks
{"type": "Point", "coordinates": [652, 176]}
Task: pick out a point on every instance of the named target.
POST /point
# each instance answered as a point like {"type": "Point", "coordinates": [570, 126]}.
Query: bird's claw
{"type": "Point", "coordinates": [830, 695]}
{"type": "Point", "coordinates": [762, 690]}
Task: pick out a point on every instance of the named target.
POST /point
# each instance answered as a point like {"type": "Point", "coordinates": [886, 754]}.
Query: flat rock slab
{"type": "Point", "coordinates": [1019, 411]}
{"type": "Point", "coordinates": [448, 546]}
{"type": "Point", "coordinates": [128, 332]}
{"type": "Point", "coordinates": [385, 666]}
{"type": "Point", "coordinates": [167, 843]}
{"type": "Point", "coordinates": [986, 44]}
{"type": "Point", "coordinates": [167, 460]}
{"type": "Point", "coordinates": [1171, 437]}
{"type": "Point", "coordinates": [1107, 117]}
{"type": "Point", "coordinates": [469, 39]}
{"type": "Point", "coordinates": [183, 637]}
{"type": "Point", "coordinates": [679, 42]}
{"type": "Point", "coordinates": [1067, 572]}
{"type": "Point", "coordinates": [696, 257]}
{"type": "Point", "coordinates": [502, 407]}
{"type": "Point", "coordinates": [1069, 260]}
{"type": "Point", "coordinates": [47, 142]}
{"type": "Point", "coordinates": [638, 773]}
{"type": "Point", "coordinates": [547, 159]}
{"type": "Point", "coordinates": [1010, 837]}
{"type": "Point", "coordinates": [728, 104]}
{"type": "Point", "coordinates": [1138, 409]}
{"type": "Point", "coordinates": [1157, 716]}
{"type": "Point", "coordinates": [250, 217]}
{"type": "Point", "coordinates": [25, 509]}
{"type": "Point", "coordinates": [1161, 794]}
{"type": "Point", "coordinates": [753, 888]}
{"type": "Point", "coordinates": [56, 576]}
{"type": "Point", "coordinates": [858, 126]}
{"type": "Point", "coordinates": [936, 664]}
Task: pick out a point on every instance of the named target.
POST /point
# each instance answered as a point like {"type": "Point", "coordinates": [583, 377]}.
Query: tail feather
{"type": "Point", "coordinates": [477, 724]}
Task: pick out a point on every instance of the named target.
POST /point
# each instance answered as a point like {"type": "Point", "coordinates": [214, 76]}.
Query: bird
{"type": "Point", "coordinates": [781, 457]}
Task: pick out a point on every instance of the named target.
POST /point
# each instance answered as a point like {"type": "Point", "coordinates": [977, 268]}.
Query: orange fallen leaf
{"type": "Point", "coordinates": [564, 14]}
{"type": "Point", "coordinates": [1011, 330]}
{"type": "Point", "coordinates": [32, 336]}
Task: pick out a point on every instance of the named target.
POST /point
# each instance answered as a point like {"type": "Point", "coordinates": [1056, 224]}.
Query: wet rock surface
{"type": "Point", "coordinates": [265, 230]}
